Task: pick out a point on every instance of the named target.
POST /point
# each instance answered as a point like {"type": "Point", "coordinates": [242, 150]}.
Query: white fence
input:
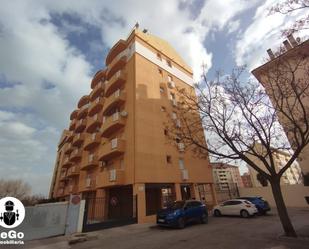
{"type": "Point", "coordinates": [52, 219]}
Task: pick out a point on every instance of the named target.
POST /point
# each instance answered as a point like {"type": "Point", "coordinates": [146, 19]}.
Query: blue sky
{"type": "Point", "coordinates": [49, 51]}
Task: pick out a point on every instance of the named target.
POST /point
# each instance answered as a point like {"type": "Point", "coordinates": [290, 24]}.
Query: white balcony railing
{"type": "Point", "coordinates": [116, 116]}
{"type": "Point", "coordinates": [114, 143]}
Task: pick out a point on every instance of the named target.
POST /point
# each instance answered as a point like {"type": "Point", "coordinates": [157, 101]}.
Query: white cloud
{"type": "Point", "coordinates": [263, 33]}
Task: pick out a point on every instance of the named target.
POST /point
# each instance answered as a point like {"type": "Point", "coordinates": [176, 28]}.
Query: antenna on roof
{"type": "Point", "coordinates": [136, 25]}
{"type": "Point", "coordinates": [145, 31]}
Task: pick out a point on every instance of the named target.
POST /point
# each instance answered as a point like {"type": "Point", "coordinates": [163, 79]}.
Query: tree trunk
{"type": "Point", "coordinates": [282, 211]}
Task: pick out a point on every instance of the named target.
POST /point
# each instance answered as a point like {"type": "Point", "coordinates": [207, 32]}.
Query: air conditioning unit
{"type": "Point", "coordinates": [181, 147]}
{"type": "Point", "coordinates": [124, 113]}
{"type": "Point", "coordinates": [112, 175]}
{"type": "Point", "coordinates": [184, 174]}
{"type": "Point", "coordinates": [174, 102]}
{"type": "Point", "coordinates": [171, 84]}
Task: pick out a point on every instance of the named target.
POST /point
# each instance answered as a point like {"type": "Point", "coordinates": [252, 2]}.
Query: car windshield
{"type": "Point", "coordinates": [177, 205]}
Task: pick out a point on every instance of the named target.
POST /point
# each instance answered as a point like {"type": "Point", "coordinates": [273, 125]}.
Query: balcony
{"type": "Point", "coordinates": [78, 139]}
{"type": "Point", "coordinates": [68, 149]}
{"type": "Point", "coordinates": [97, 91]}
{"type": "Point", "coordinates": [73, 171]}
{"type": "Point", "coordinates": [73, 188]}
{"type": "Point", "coordinates": [111, 178]}
{"type": "Point", "coordinates": [112, 149]}
{"type": "Point", "coordinates": [99, 76]}
{"type": "Point", "coordinates": [83, 111]}
{"type": "Point", "coordinates": [81, 125]}
{"type": "Point", "coordinates": [112, 124]}
{"type": "Point", "coordinates": [70, 137]}
{"type": "Point", "coordinates": [96, 106]}
{"type": "Point", "coordinates": [90, 183]}
{"type": "Point", "coordinates": [92, 141]}
{"type": "Point", "coordinates": [89, 161]}
{"type": "Point", "coordinates": [118, 64]}
{"type": "Point", "coordinates": [118, 48]}
{"type": "Point", "coordinates": [94, 123]}
{"type": "Point", "coordinates": [113, 101]}
{"type": "Point", "coordinates": [76, 155]}
{"type": "Point", "coordinates": [66, 162]}
{"type": "Point", "coordinates": [73, 114]}
{"type": "Point", "coordinates": [115, 82]}
{"type": "Point", "coordinates": [63, 176]}
{"type": "Point", "coordinates": [72, 125]}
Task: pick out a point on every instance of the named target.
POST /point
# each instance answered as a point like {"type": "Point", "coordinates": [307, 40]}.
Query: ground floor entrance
{"type": "Point", "coordinates": [121, 205]}
{"type": "Point", "coordinates": [109, 207]}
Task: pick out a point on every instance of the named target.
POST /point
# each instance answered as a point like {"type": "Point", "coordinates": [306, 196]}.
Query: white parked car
{"type": "Point", "coordinates": [237, 207]}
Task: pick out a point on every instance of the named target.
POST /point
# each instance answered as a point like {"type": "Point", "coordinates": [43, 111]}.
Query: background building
{"type": "Point", "coordinates": [246, 179]}
{"type": "Point", "coordinates": [294, 50]}
{"type": "Point", "coordinates": [291, 176]}
{"type": "Point", "coordinates": [225, 174]}
{"type": "Point", "coordinates": [116, 152]}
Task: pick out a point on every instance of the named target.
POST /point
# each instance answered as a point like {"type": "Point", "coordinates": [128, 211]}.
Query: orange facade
{"type": "Point", "coordinates": [115, 144]}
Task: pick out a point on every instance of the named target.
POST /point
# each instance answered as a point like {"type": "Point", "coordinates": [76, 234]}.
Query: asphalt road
{"type": "Point", "coordinates": [222, 233]}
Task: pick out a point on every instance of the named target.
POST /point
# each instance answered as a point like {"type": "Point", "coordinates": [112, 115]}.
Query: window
{"type": "Point", "coordinates": [169, 63]}
{"type": "Point", "coordinates": [165, 132]}
{"type": "Point", "coordinates": [163, 109]}
{"type": "Point", "coordinates": [181, 163]}
{"type": "Point", "coordinates": [160, 71]}
{"type": "Point", "coordinates": [169, 78]}
{"type": "Point", "coordinates": [161, 89]}
{"type": "Point", "coordinates": [172, 96]}
{"type": "Point", "coordinates": [174, 115]}
{"type": "Point", "coordinates": [168, 159]}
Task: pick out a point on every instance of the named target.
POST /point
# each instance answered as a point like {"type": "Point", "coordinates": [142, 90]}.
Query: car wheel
{"type": "Point", "coordinates": [181, 223]}
{"type": "Point", "coordinates": [217, 213]}
{"type": "Point", "coordinates": [204, 219]}
{"type": "Point", "coordinates": [244, 214]}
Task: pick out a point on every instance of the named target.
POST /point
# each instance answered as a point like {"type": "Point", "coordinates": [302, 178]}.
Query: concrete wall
{"type": "Point", "coordinates": [45, 220]}
{"type": "Point", "coordinates": [294, 195]}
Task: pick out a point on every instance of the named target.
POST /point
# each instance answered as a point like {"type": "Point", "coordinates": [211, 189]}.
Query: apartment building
{"type": "Point", "coordinates": [225, 174]}
{"type": "Point", "coordinates": [291, 176]}
{"type": "Point", "coordinates": [246, 179]}
{"type": "Point", "coordinates": [295, 55]}
{"type": "Point", "coordinates": [116, 149]}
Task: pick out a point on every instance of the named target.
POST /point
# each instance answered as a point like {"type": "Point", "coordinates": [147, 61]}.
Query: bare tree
{"type": "Point", "coordinates": [289, 6]}
{"type": "Point", "coordinates": [14, 188]}
{"type": "Point", "coordinates": [241, 115]}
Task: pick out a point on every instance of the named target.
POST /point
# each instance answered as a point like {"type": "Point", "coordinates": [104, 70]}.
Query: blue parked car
{"type": "Point", "coordinates": [261, 205]}
{"type": "Point", "coordinates": [179, 213]}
